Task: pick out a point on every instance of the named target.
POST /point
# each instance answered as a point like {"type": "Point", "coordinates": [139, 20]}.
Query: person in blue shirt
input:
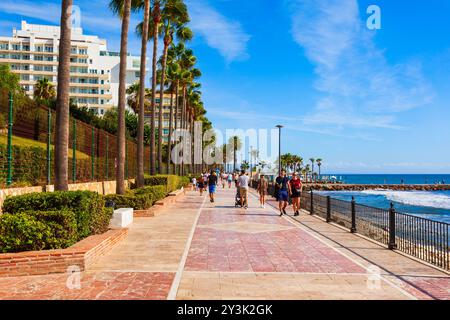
{"type": "Point", "coordinates": [283, 186]}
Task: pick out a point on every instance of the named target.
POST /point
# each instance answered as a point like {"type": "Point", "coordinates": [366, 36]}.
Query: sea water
{"type": "Point", "coordinates": [433, 205]}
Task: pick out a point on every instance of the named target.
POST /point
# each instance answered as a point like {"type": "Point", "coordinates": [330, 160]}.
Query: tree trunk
{"type": "Point", "coordinates": [156, 19]}
{"type": "Point", "coordinates": [120, 170]}
{"type": "Point", "coordinates": [62, 102]}
{"type": "Point", "coordinates": [176, 114]}
{"type": "Point", "coordinates": [169, 140]}
{"type": "Point", "coordinates": [183, 123]}
{"type": "Point", "coordinates": [161, 103]}
{"type": "Point", "coordinates": [140, 137]}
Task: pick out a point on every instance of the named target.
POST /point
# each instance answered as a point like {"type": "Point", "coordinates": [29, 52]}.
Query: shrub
{"type": "Point", "coordinates": [62, 224]}
{"type": "Point", "coordinates": [131, 200]}
{"type": "Point", "coordinates": [172, 182]}
{"type": "Point", "coordinates": [22, 232]}
{"type": "Point", "coordinates": [87, 206]}
{"type": "Point", "coordinates": [157, 192]}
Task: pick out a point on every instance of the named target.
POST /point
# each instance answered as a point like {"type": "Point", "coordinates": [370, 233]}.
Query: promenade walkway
{"type": "Point", "coordinates": [199, 250]}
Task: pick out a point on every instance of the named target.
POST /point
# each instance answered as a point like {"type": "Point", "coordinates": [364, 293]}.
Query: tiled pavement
{"type": "Point", "coordinates": [199, 250]}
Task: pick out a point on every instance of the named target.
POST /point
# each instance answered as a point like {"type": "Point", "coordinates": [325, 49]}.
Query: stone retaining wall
{"type": "Point", "coordinates": [82, 255]}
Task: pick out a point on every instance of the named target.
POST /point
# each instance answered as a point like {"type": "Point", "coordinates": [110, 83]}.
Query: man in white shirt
{"type": "Point", "coordinates": [243, 182]}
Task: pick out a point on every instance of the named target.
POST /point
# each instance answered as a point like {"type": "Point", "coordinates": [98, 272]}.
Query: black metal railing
{"type": "Point", "coordinates": [425, 239]}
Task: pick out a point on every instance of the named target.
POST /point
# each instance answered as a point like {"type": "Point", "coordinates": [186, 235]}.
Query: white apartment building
{"type": "Point", "coordinates": [32, 53]}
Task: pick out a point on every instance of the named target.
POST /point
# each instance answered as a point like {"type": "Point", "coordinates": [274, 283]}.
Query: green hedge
{"type": "Point", "coordinates": [138, 199]}
{"type": "Point", "coordinates": [131, 200]}
{"type": "Point", "coordinates": [87, 206]}
{"type": "Point", "coordinates": [63, 226]}
{"type": "Point", "coordinates": [172, 182]}
{"type": "Point", "coordinates": [22, 232]}
{"type": "Point", "coordinates": [157, 192]}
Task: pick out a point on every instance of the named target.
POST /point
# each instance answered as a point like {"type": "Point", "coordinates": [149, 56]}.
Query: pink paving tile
{"type": "Point", "coordinates": [429, 287]}
{"type": "Point", "coordinates": [94, 286]}
{"type": "Point", "coordinates": [289, 250]}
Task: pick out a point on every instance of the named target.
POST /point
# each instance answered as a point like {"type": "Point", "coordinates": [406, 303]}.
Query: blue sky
{"type": "Point", "coordinates": [365, 101]}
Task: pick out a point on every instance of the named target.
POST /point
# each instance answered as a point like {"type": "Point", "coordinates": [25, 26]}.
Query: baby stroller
{"type": "Point", "coordinates": [237, 202]}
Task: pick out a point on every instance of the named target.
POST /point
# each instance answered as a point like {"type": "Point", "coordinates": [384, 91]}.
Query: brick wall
{"type": "Point", "coordinates": [83, 254]}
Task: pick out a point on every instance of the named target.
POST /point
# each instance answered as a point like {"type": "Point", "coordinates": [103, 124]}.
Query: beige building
{"type": "Point", "coordinates": [32, 53]}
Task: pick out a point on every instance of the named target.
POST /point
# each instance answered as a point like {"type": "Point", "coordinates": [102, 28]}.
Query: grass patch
{"type": "Point", "coordinates": [24, 142]}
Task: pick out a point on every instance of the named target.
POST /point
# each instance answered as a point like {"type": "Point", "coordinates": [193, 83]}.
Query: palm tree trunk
{"type": "Point", "coordinates": [156, 19]}
{"type": "Point", "coordinates": [169, 140]}
{"type": "Point", "coordinates": [193, 169]}
{"type": "Point", "coordinates": [176, 114]}
{"type": "Point", "coordinates": [120, 170]}
{"type": "Point", "coordinates": [183, 122]}
{"type": "Point", "coordinates": [161, 103]}
{"type": "Point", "coordinates": [62, 102]}
{"type": "Point", "coordinates": [140, 137]}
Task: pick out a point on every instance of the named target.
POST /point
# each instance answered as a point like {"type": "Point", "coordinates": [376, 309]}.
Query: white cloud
{"type": "Point", "coordinates": [359, 87]}
{"type": "Point", "coordinates": [225, 35]}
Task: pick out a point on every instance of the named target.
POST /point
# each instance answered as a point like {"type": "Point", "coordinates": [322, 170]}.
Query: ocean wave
{"type": "Point", "coordinates": [414, 198]}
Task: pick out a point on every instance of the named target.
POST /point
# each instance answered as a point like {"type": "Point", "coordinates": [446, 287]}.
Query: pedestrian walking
{"type": "Point", "coordinates": [282, 182]}
{"type": "Point", "coordinates": [230, 180]}
{"type": "Point", "coordinates": [295, 192]}
{"type": "Point", "coordinates": [212, 183]}
{"type": "Point", "coordinates": [243, 182]}
{"type": "Point", "coordinates": [262, 190]}
{"type": "Point", "coordinates": [200, 186]}
{"type": "Point", "coordinates": [194, 183]}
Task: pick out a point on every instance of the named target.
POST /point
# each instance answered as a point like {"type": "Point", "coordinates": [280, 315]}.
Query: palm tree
{"type": "Point", "coordinates": [140, 135]}
{"type": "Point", "coordinates": [156, 20]}
{"type": "Point", "coordinates": [307, 170]}
{"type": "Point", "coordinates": [142, 74]}
{"type": "Point", "coordinates": [174, 16]}
{"type": "Point", "coordinates": [122, 8]}
{"type": "Point", "coordinates": [133, 97]}
{"type": "Point", "coordinates": [245, 165]}
{"type": "Point", "coordinates": [319, 164]}
{"type": "Point", "coordinates": [312, 167]}
{"type": "Point", "coordinates": [44, 90]}
{"type": "Point", "coordinates": [297, 162]}
{"type": "Point", "coordinates": [173, 71]}
{"type": "Point", "coordinates": [235, 141]}
{"type": "Point", "coordinates": [62, 100]}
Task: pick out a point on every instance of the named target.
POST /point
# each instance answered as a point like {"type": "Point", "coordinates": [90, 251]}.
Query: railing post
{"type": "Point", "coordinates": [10, 127]}
{"type": "Point", "coordinates": [392, 245]}
{"type": "Point", "coordinates": [353, 228]}
{"type": "Point", "coordinates": [311, 211]}
{"type": "Point", "coordinates": [49, 141]}
{"type": "Point", "coordinates": [107, 160]}
{"type": "Point", "coordinates": [328, 209]}
{"type": "Point", "coordinates": [74, 152]}
{"type": "Point", "coordinates": [93, 154]}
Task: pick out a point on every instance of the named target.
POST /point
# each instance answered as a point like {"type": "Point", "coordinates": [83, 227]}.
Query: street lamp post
{"type": "Point", "coordinates": [279, 148]}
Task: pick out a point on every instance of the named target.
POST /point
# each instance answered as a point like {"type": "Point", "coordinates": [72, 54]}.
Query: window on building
{"type": "Point", "coordinates": [137, 74]}
{"type": "Point", "coordinates": [4, 46]}
{"type": "Point", "coordinates": [16, 47]}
